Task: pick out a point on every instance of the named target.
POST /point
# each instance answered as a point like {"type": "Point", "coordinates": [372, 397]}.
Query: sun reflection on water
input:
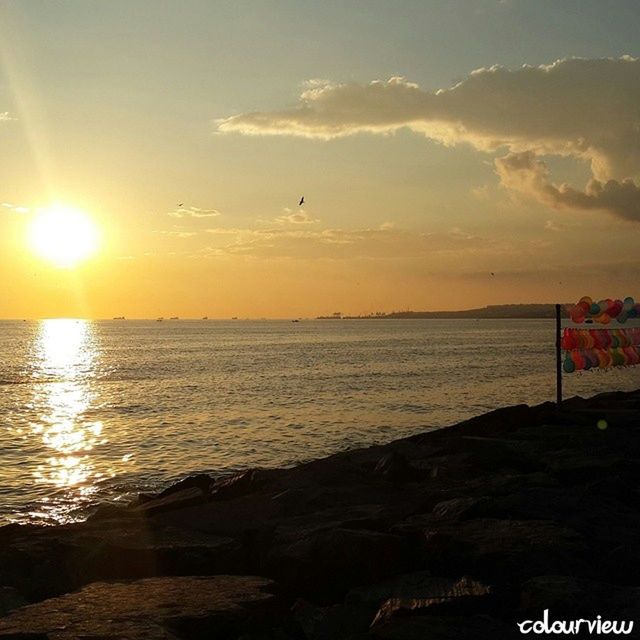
{"type": "Point", "coordinates": [66, 355]}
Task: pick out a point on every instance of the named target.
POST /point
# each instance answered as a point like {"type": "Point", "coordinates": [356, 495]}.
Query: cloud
{"type": "Point", "coordinates": [343, 243]}
{"type": "Point", "coordinates": [16, 208]}
{"type": "Point", "coordinates": [556, 225]}
{"type": "Point", "coordinates": [5, 116]}
{"type": "Point", "coordinates": [582, 108]}
{"type": "Point", "coordinates": [193, 212]}
{"type": "Point", "coordinates": [526, 173]}
{"type": "Point", "coordinates": [297, 217]}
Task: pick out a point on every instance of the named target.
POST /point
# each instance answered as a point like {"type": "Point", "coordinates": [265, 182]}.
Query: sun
{"type": "Point", "coordinates": [63, 235]}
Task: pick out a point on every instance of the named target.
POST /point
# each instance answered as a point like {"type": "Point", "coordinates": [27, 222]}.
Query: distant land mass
{"type": "Point", "coordinates": [493, 311]}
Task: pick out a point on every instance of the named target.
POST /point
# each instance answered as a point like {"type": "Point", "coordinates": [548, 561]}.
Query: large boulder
{"type": "Point", "coordinates": [53, 560]}
{"type": "Point", "coordinates": [10, 599]}
{"type": "Point", "coordinates": [150, 609]}
{"type": "Point", "coordinates": [503, 550]}
{"type": "Point", "coordinates": [326, 563]}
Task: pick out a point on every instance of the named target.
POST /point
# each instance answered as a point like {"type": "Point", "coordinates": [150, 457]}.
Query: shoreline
{"type": "Point", "coordinates": [467, 528]}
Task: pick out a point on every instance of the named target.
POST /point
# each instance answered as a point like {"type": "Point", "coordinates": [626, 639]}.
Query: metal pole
{"type": "Point", "coordinates": [558, 359]}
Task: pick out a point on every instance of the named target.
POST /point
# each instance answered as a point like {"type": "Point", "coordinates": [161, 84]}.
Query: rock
{"type": "Point", "coordinates": [327, 563]}
{"type": "Point", "coordinates": [242, 483]}
{"type": "Point", "coordinates": [464, 598]}
{"type": "Point", "coordinates": [178, 499]}
{"type": "Point", "coordinates": [201, 481]}
{"type": "Point", "coordinates": [409, 590]}
{"type": "Point", "coordinates": [573, 597]}
{"type": "Point", "coordinates": [504, 549]}
{"type": "Point", "coordinates": [336, 622]}
{"type": "Point", "coordinates": [456, 508]}
{"type": "Point", "coordinates": [57, 560]}
{"type": "Point", "coordinates": [155, 551]}
{"type": "Point", "coordinates": [10, 599]}
{"type": "Point", "coordinates": [431, 627]}
{"type": "Point", "coordinates": [110, 511]}
{"type": "Point", "coordinates": [396, 468]}
{"type": "Point", "coordinates": [150, 609]}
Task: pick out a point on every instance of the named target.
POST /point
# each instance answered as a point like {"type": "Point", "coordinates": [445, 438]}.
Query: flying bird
{"type": "Point", "coordinates": [493, 274]}
{"type": "Point", "coordinates": [301, 201]}
{"type": "Point", "coordinates": [180, 204]}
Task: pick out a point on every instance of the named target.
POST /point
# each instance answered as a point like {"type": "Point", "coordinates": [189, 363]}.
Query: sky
{"type": "Point", "coordinates": [435, 142]}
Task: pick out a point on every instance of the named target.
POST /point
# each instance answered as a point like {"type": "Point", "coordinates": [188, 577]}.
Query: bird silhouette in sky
{"type": "Point", "coordinates": [180, 204]}
{"type": "Point", "coordinates": [301, 201]}
{"type": "Point", "coordinates": [493, 274]}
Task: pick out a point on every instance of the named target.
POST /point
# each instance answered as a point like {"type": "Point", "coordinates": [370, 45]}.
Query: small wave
{"type": "Point", "coordinates": [26, 380]}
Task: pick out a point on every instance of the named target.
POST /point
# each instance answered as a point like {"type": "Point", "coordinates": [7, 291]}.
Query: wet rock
{"type": "Point", "coordinates": [178, 499]}
{"type": "Point", "coordinates": [243, 483]}
{"type": "Point", "coordinates": [150, 609]}
{"type": "Point", "coordinates": [110, 511]}
{"type": "Point", "coordinates": [201, 481]}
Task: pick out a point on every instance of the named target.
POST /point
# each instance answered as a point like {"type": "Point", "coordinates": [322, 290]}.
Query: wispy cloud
{"type": "Point", "coordinates": [193, 212]}
{"type": "Point", "coordinates": [296, 217]}
{"type": "Point", "coordinates": [5, 116]}
{"type": "Point", "coordinates": [583, 108]}
{"type": "Point", "coordinates": [15, 208]}
{"type": "Point", "coordinates": [386, 243]}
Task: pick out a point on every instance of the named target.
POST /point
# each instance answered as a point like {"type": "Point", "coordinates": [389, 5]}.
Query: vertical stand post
{"type": "Point", "coordinates": [558, 359]}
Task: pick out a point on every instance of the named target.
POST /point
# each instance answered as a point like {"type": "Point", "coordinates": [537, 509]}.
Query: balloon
{"type": "Point", "coordinates": [602, 358]}
{"type": "Point", "coordinates": [605, 319]}
{"type": "Point", "coordinates": [577, 316]}
{"type": "Point", "coordinates": [595, 309]}
{"type": "Point", "coordinates": [628, 302]}
{"type": "Point", "coordinates": [622, 316]}
{"type": "Point", "coordinates": [586, 299]}
{"type": "Point", "coordinates": [578, 360]}
{"type": "Point", "coordinates": [568, 365]}
{"type": "Point", "coordinates": [630, 357]}
{"type": "Point", "coordinates": [618, 358]}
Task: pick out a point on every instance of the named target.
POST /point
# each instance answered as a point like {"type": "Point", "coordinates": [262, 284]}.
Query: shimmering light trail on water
{"type": "Point", "coordinates": [94, 411]}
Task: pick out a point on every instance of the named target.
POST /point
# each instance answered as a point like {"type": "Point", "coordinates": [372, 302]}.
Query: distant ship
{"type": "Point", "coordinates": [295, 321]}
{"type": "Point", "coordinates": [174, 318]}
{"type": "Point", "coordinates": [119, 318]}
{"type": "Point", "coordinates": [205, 317]}
{"type": "Point", "coordinates": [160, 319]}
{"type": "Point", "coordinates": [234, 318]}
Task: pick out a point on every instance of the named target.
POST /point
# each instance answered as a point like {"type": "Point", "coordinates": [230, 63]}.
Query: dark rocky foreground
{"type": "Point", "coordinates": [457, 533]}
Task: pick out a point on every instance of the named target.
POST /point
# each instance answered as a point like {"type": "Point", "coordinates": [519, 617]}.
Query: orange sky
{"type": "Point", "coordinates": [428, 155]}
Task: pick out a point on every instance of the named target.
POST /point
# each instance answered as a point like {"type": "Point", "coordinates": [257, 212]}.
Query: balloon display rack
{"type": "Point", "coordinates": [596, 348]}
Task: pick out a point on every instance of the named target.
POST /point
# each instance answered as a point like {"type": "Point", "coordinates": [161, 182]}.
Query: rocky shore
{"type": "Point", "coordinates": [456, 533]}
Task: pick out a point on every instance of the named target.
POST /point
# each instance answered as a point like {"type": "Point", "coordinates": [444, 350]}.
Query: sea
{"type": "Point", "coordinates": [98, 411]}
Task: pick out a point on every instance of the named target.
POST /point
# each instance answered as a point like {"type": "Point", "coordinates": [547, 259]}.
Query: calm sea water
{"type": "Point", "coordinates": [93, 411]}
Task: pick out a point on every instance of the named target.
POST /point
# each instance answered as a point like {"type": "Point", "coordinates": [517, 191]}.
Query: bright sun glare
{"type": "Point", "coordinates": [63, 235]}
